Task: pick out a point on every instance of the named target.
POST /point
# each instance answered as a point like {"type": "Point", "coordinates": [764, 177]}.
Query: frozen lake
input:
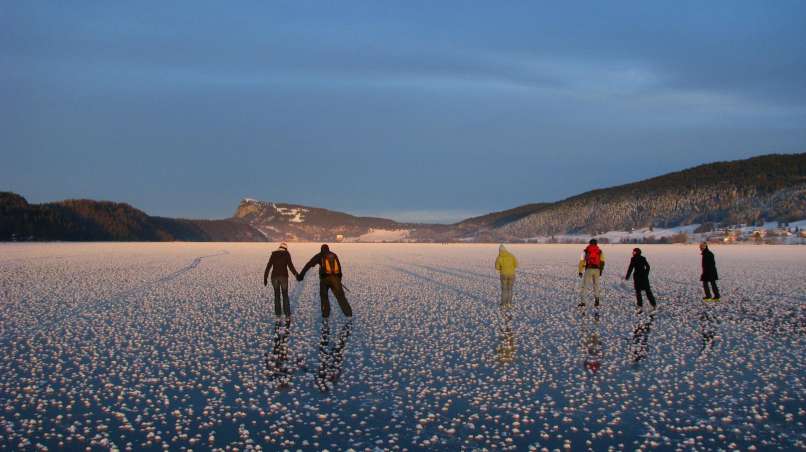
{"type": "Point", "coordinates": [176, 346]}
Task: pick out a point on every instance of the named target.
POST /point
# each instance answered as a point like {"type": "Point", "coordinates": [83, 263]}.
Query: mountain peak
{"type": "Point", "coordinates": [752, 191]}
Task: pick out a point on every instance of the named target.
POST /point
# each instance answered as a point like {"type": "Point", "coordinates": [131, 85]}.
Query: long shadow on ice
{"type": "Point", "coordinates": [440, 284]}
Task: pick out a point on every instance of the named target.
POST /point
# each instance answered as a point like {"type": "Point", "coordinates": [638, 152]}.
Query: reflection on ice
{"type": "Point", "coordinates": [147, 346]}
{"type": "Point", "coordinates": [281, 362]}
{"type": "Point", "coordinates": [708, 324]}
{"type": "Point", "coordinates": [640, 337]}
{"type": "Point", "coordinates": [331, 354]}
{"type": "Point", "coordinates": [506, 348]}
{"type": "Point", "coordinates": [591, 339]}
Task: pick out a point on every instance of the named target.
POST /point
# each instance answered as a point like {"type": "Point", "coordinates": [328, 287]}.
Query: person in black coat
{"type": "Point", "coordinates": [709, 274]}
{"type": "Point", "coordinates": [639, 268]}
{"type": "Point", "coordinates": [279, 264]}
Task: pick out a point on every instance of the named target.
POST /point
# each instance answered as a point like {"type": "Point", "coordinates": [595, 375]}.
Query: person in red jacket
{"type": "Point", "coordinates": [329, 279]}
{"type": "Point", "coordinates": [591, 266]}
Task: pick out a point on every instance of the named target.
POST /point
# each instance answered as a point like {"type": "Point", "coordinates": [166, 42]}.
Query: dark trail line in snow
{"type": "Point", "coordinates": [37, 258]}
{"type": "Point", "coordinates": [120, 296]}
{"type": "Point", "coordinates": [440, 284]}
{"type": "Point", "coordinates": [452, 271]}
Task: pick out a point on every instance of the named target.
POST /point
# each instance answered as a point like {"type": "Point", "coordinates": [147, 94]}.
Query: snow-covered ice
{"type": "Point", "coordinates": [175, 346]}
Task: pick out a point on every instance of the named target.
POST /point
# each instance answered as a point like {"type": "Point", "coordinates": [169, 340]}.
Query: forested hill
{"type": "Point", "coordinates": [770, 187]}
{"type": "Point", "coordinates": [87, 220]}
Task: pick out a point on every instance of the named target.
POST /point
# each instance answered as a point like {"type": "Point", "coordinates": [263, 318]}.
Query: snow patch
{"type": "Point", "coordinates": [296, 214]}
{"type": "Point", "coordinates": [382, 235]}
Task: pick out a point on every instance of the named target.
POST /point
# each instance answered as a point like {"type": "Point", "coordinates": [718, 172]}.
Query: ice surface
{"type": "Point", "coordinates": [175, 346]}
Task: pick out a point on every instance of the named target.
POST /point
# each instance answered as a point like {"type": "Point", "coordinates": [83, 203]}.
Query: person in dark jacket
{"type": "Point", "coordinates": [279, 264]}
{"type": "Point", "coordinates": [329, 279]}
{"type": "Point", "coordinates": [639, 268]}
{"type": "Point", "coordinates": [709, 274]}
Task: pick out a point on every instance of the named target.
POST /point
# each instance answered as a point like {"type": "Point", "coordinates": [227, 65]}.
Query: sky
{"type": "Point", "coordinates": [417, 111]}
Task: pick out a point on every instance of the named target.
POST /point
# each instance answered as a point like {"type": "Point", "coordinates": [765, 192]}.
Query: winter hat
{"type": "Point", "coordinates": [502, 249]}
{"type": "Point", "coordinates": [593, 242]}
{"type": "Point", "coordinates": [636, 250]}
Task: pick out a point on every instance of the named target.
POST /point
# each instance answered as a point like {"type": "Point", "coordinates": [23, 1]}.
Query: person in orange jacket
{"type": "Point", "coordinates": [329, 279]}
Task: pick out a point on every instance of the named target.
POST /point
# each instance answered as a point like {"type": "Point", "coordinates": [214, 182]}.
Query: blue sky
{"type": "Point", "coordinates": [427, 111]}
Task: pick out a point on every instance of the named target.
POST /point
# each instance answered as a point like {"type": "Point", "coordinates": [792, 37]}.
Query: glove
{"type": "Point", "coordinates": [626, 278]}
{"type": "Point", "coordinates": [300, 277]}
{"type": "Point", "coordinates": [580, 274]}
{"type": "Point", "coordinates": [265, 282]}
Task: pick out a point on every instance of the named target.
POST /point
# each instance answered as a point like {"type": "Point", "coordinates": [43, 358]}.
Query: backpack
{"type": "Point", "coordinates": [330, 264]}
{"type": "Point", "coordinates": [593, 256]}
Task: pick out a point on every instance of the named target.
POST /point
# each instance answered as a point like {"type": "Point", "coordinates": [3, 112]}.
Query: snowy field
{"type": "Point", "coordinates": [175, 346]}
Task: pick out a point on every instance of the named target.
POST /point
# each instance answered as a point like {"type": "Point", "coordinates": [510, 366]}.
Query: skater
{"type": "Point", "coordinates": [639, 264]}
{"type": "Point", "coordinates": [506, 265]}
{"type": "Point", "coordinates": [591, 266]}
{"type": "Point", "coordinates": [279, 264]}
{"type": "Point", "coordinates": [329, 279]}
{"type": "Point", "coordinates": [709, 274]}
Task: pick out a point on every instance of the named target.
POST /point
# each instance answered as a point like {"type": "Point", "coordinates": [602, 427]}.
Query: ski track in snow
{"type": "Point", "coordinates": [129, 346]}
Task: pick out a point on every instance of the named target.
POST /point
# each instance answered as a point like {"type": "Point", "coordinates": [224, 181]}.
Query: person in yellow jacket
{"type": "Point", "coordinates": [506, 265]}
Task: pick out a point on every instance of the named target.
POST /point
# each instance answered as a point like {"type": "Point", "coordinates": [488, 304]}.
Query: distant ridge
{"type": "Point", "coordinates": [88, 220]}
{"type": "Point", "coordinates": [770, 187]}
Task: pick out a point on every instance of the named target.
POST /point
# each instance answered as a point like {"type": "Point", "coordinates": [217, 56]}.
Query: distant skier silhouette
{"type": "Point", "coordinates": [709, 274]}
{"type": "Point", "coordinates": [591, 266]}
{"type": "Point", "coordinates": [279, 264]}
{"type": "Point", "coordinates": [640, 266]}
{"type": "Point", "coordinates": [329, 279]}
{"type": "Point", "coordinates": [506, 264]}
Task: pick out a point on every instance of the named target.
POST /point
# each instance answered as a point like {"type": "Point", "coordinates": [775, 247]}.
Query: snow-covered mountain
{"type": "Point", "coordinates": [280, 221]}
